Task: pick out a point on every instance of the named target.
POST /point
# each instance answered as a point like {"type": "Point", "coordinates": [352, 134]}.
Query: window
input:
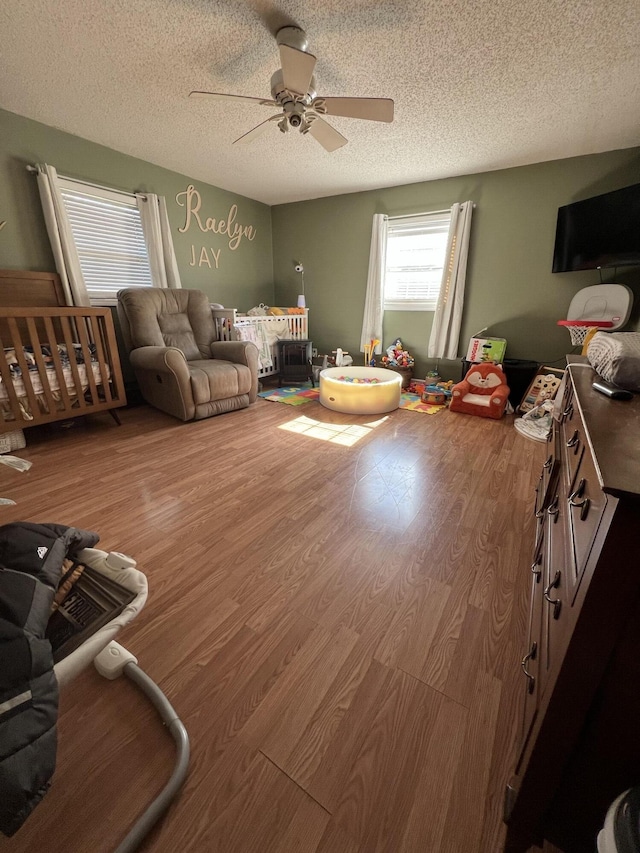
{"type": "Point", "coordinates": [108, 235]}
{"type": "Point", "coordinates": [416, 248]}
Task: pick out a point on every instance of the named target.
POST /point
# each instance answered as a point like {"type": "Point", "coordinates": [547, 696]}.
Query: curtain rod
{"type": "Point", "coordinates": [34, 170]}
{"type": "Point", "coordinates": [425, 213]}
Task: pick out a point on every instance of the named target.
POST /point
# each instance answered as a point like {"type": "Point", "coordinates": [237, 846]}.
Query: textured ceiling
{"type": "Point", "coordinates": [477, 84]}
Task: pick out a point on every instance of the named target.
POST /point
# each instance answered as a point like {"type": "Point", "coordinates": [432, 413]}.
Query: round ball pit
{"type": "Point", "coordinates": [360, 390]}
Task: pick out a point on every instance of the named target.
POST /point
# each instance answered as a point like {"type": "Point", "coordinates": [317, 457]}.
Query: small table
{"type": "Point", "coordinates": [294, 361]}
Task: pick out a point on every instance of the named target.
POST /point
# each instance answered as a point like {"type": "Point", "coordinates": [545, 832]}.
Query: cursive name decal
{"type": "Point", "coordinates": [191, 201]}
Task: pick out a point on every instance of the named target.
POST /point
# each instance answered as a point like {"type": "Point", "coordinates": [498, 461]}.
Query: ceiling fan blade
{"type": "Point", "coordinates": [372, 109]}
{"type": "Point", "coordinates": [297, 69]}
{"type": "Point", "coordinates": [218, 96]}
{"type": "Point", "coordinates": [252, 134]}
{"type": "Point", "coordinates": [326, 135]}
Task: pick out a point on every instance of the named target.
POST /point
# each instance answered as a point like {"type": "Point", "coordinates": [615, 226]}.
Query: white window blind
{"type": "Point", "coordinates": [108, 236]}
{"type": "Point", "coordinates": [416, 247]}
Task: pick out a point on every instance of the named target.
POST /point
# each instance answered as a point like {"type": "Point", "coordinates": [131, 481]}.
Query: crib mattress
{"type": "Point", "coordinates": [54, 385]}
{"type": "Point", "coordinates": [52, 378]}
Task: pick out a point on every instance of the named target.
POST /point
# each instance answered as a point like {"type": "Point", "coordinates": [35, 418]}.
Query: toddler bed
{"type": "Point", "coordinates": [57, 363]}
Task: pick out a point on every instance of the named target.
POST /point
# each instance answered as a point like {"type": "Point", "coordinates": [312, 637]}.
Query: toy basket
{"type": "Point", "coordinates": [14, 440]}
{"type": "Point", "coordinates": [405, 372]}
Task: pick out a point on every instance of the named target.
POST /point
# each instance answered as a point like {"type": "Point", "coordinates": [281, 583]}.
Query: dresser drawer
{"type": "Point", "coordinates": [533, 653]}
{"type": "Point", "coordinates": [567, 403]}
{"type": "Point", "coordinates": [586, 503]}
{"type": "Point", "coordinates": [557, 593]}
{"type": "Point", "coordinates": [573, 440]}
{"type": "Point", "coordinates": [547, 478]}
{"type": "Point", "coordinates": [538, 556]}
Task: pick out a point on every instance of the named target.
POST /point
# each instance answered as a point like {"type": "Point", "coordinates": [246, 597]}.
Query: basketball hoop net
{"type": "Point", "coordinates": [579, 329]}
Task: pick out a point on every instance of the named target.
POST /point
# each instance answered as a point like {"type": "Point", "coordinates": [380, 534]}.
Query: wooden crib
{"type": "Point", "coordinates": [56, 362]}
{"type": "Point", "coordinates": [264, 331]}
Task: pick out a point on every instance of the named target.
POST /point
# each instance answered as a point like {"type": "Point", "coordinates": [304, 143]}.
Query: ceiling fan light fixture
{"type": "Point", "coordinates": [293, 37]}
{"type": "Point", "coordinates": [293, 90]}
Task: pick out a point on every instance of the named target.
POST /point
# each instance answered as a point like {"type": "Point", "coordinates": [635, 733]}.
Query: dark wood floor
{"type": "Point", "coordinates": [337, 611]}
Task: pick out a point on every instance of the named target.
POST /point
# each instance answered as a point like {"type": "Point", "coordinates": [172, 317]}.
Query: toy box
{"type": "Point", "coordinates": [486, 349]}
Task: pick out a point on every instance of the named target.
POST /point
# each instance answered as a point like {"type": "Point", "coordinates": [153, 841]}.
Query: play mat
{"type": "Point", "coordinates": [299, 395]}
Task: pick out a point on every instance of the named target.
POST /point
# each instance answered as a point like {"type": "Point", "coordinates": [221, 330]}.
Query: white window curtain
{"type": "Point", "coordinates": [445, 332]}
{"type": "Point", "coordinates": [373, 310]}
{"type": "Point", "coordinates": [157, 236]}
{"type": "Point", "coordinates": [62, 243]}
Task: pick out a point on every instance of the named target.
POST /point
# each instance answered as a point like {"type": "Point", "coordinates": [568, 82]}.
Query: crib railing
{"type": "Point", "coordinates": [227, 321]}
{"type": "Point", "coordinates": [48, 392]}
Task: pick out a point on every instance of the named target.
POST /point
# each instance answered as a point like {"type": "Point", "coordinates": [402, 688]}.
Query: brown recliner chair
{"type": "Point", "coordinates": [180, 365]}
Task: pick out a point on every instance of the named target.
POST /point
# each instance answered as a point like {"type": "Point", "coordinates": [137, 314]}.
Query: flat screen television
{"type": "Point", "coordinates": [603, 231]}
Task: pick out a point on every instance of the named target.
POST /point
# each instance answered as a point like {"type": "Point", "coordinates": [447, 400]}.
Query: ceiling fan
{"type": "Point", "coordinates": [293, 92]}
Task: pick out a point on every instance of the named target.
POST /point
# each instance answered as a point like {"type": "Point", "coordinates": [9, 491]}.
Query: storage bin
{"type": "Point", "coordinates": [14, 440]}
{"type": "Point", "coordinates": [405, 372]}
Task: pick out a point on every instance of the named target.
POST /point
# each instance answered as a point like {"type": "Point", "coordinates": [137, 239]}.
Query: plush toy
{"type": "Point", "coordinates": [397, 356]}
{"type": "Point", "coordinates": [483, 391]}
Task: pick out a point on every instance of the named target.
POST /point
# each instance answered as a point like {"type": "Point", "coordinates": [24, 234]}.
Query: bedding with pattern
{"type": "Point", "coordinates": [52, 378]}
{"type": "Point", "coordinates": [78, 357]}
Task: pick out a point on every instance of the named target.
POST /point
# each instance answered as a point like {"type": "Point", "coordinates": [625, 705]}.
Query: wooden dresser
{"type": "Point", "coordinates": [580, 739]}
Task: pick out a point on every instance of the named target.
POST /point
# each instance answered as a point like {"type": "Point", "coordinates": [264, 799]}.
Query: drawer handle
{"type": "Point", "coordinates": [525, 660]}
{"type": "Point", "coordinates": [534, 566]}
{"type": "Point", "coordinates": [584, 504]}
{"type": "Point", "coordinates": [548, 463]}
{"type": "Point", "coordinates": [568, 411]}
{"type": "Point", "coordinates": [575, 438]}
{"type": "Point", "coordinates": [556, 603]}
{"type": "Point", "coordinates": [553, 509]}
{"type": "Point", "coordinates": [579, 490]}
{"type": "Point", "coordinates": [540, 512]}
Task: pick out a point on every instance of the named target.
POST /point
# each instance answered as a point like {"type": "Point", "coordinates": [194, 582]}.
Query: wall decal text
{"type": "Point", "coordinates": [191, 201]}
{"type": "Point", "coordinates": [204, 257]}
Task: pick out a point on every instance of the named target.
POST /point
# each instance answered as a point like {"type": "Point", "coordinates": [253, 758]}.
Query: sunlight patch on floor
{"type": "Point", "coordinates": [345, 434]}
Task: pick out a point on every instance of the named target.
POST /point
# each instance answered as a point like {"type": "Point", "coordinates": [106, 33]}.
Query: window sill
{"type": "Point", "coordinates": [409, 306]}
{"type": "Point", "coordinates": [102, 302]}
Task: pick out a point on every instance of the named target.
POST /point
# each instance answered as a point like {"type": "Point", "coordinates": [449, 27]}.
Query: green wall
{"type": "Point", "coordinates": [244, 276]}
{"type": "Point", "coordinates": [510, 287]}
